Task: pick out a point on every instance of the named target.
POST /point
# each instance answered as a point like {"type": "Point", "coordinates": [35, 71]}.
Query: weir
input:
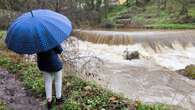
{"type": "Point", "coordinates": [153, 38]}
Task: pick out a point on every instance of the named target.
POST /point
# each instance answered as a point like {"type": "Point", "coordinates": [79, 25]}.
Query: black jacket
{"type": "Point", "coordinates": [49, 61]}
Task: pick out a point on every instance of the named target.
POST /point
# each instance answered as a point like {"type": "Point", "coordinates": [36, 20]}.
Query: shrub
{"type": "Point", "coordinates": [190, 71]}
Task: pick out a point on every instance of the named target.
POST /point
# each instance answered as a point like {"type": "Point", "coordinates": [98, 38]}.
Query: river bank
{"type": "Point", "coordinates": [146, 79]}
{"type": "Point", "coordinates": [80, 93]}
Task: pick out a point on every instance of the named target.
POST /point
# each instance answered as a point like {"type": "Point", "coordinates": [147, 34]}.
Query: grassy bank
{"type": "Point", "coordinates": [170, 26]}
{"type": "Point", "coordinates": [81, 95]}
{"type": "Point", "coordinates": [150, 16]}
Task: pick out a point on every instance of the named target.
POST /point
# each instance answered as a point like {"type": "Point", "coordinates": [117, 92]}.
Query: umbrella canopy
{"type": "Point", "coordinates": [37, 31]}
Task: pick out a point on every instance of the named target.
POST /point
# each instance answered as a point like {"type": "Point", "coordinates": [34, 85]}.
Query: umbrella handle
{"type": "Point", "coordinates": [32, 13]}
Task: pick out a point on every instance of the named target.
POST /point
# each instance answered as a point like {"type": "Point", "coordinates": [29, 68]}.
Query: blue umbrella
{"type": "Point", "coordinates": [37, 31]}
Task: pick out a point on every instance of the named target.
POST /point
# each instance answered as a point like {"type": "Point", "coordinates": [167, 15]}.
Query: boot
{"type": "Point", "coordinates": [60, 100]}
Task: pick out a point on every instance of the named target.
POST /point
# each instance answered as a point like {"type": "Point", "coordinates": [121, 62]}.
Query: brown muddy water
{"type": "Point", "coordinates": [173, 49]}
{"type": "Point", "coordinates": [153, 38]}
{"type": "Point", "coordinates": [152, 78]}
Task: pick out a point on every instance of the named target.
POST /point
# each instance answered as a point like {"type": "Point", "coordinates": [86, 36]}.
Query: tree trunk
{"type": "Point", "coordinates": [158, 7]}
{"type": "Point", "coordinates": [57, 6]}
{"type": "Point", "coordinates": [141, 2]}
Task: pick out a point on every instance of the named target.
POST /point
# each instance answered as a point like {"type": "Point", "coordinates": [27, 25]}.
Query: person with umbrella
{"type": "Point", "coordinates": [40, 32]}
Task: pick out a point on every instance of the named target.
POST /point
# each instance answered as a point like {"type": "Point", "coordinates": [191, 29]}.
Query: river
{"type": "Point", "coordinates": [170, 49]}
{"type": "Point", "coordinates": [152, 78]}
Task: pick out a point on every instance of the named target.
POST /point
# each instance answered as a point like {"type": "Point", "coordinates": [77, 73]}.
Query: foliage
{"type": "Point", "coordinates": [191, 11]}
{"type": "Point", "coordinates": [19, 5]}
{"type": "Point", "coordinates": [166, 14]}
{"type": "Point", "coordinates": [2, 34]}
{"type": "Point", "coordinates": [190, 71]}
{"type": "Point", "coordinates": [92, 4]}
{"type": "Point", "coordinates": [141, 106]}
{"type": "Point", "coordinates": [2, 106]}
{"type": "Point", "coordinates": [116, 11]}
{"type": "Point", "coordinates": [32, 79]}
{"type": "Point", "coordinates": [81, 12]}
{"type": "Point", "coordinates": [89, 96]}
{"type": "Point", "coordinates": [130, 3]}
{"type": "Point", "coordinates": [171, 26]}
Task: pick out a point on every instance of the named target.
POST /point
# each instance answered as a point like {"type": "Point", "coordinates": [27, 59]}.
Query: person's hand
{"type": "Point", "coordinates": [58, 49]}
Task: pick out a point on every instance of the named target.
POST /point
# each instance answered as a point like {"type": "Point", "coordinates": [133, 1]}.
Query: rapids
{"type": "Point", "coordinates": [173, 58]}
{"type": "Point", "coordinates": [152, 78]}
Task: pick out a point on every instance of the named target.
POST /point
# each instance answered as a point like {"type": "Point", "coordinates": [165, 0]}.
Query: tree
{"type": "Point", "coordinates": [184, 5]}
{"type": "Point", "coordinates": [142, 2]}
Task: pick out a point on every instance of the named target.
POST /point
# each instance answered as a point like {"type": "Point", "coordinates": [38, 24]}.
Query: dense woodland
{"type": "Point", "coordinates": [77, 10]}
{"type": "Point", "coordinates": [99, 12]}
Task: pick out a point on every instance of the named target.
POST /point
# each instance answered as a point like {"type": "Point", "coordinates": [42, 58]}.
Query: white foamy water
{"type": "Point", "coordinates": [173, 59]}
{"type": "Point", "coordinates": [147, 78]}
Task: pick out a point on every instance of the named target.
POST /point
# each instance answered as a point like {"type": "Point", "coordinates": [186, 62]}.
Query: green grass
{"type": "Point", "coordinates": [142, 106]}
{"type": "Point", "coordinates": [28, 73]}
{"type": "Point", "coordinates": [87, 96]}
{"type": "Point", "coordinates": [2, 106]}
{"type": "Point", "coordinates": [1, 34]}
{"type": "Point", "coordinates": [116, 11]}
{"type": "Point", "coordinates": [191, 11]}
{"type": "Point", "coordinates": [153, 18]}
{"type": "Point", "coordinates": [171, 26]}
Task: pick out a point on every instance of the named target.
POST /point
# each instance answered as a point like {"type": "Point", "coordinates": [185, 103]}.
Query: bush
{"type": "Point", "coordinates": [5, 20]}
{"type": "Point", "coordinates": [190, 71]}
{"type": "Point", "coordinates": [107, 24]}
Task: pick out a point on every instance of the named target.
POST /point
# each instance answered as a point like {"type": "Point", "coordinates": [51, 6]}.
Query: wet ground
{"type": "Point", "coordinates": [14, 95]}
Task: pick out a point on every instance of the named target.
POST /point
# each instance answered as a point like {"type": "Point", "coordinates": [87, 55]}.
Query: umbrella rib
{"type": "Point", "coordinates": [55, 19]}
{"type": "Point", "coordinates": [13, 28]}
{"type": "Point", "coordinates": [45, 28]}
{"type": "Point", "coordinates": [36, 40]}
{"type": "Point", "coordinates": [56, 26]}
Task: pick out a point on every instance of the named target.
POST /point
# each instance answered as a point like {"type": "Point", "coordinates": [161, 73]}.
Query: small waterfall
{"type": "Point", "coordinates": [154, 39]}
{"type": "Point", "coordinates": [170, 49]}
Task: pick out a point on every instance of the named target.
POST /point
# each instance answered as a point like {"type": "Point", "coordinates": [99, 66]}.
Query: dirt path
{"type": "Point", "coordinates": [13, 94]}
